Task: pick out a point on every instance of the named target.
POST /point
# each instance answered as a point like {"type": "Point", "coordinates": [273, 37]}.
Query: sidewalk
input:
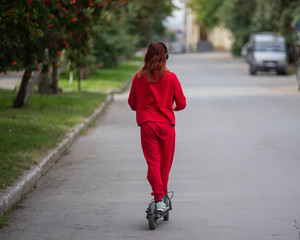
{"type": "Point", "coordinates": [10, 80]}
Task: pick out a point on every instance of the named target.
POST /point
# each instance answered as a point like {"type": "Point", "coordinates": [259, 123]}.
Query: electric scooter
{"type": "Point", "coordinates": [153, 215]}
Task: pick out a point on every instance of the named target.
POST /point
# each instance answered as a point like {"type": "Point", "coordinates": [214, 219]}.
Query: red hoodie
{"type": "Point", "coordinates": [155, 101]}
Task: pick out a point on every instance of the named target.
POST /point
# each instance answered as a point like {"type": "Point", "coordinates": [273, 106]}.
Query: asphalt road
{"type": "Point", "coordinates": [235, 173]}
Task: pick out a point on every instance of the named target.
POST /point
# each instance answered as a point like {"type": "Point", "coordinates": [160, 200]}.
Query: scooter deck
{"type": "Point", "coordinates": [166, 209]}
{"type": "Point", "coordinates": [159, 214]}
{"type": "Point", "coordinates": [162, 214]}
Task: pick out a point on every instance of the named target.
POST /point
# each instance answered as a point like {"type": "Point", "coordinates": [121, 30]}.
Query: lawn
{"type": "Point", "coordinates": [27, 134]}
{"type": "Point", "coordinates": [104, 79]}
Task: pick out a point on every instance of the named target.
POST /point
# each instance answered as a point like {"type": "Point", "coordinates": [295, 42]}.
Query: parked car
{"type": "Point", "coordinates": [296, 59]}
{"type": "Point", "coordinates": [266, 52]}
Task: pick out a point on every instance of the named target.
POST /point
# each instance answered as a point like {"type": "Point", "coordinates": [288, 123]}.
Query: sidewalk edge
{"type": "Point", "coordinates": [10, 196]}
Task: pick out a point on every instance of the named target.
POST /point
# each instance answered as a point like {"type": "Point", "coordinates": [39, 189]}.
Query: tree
{"type": "Point", "coordinates": [237, 16]}
{"type": "Point", "coordinates": [22, 25]}
{"type": "Point", "coordinates": [206, 11]}
{"type": "Point", "coordinates": [278, 16]}
{"type": "Point", "coordinates": [111, 36]}
{"type": "Point", "coordinates": [147, 22]}
{"type": "Point", "coordinates": [83, 15]}
{"type": "Point", "coordinates": [56, 42]}
{"type": "Point", "coordinates": [134, 24]}
{"type": "Point", "coordinates": [35, 32]}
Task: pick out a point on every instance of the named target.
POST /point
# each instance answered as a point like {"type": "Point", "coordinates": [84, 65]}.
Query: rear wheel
{"type": "Point", "coordinates": [281, 71]}
{"type": "Point", "coordinates": [166, 217]}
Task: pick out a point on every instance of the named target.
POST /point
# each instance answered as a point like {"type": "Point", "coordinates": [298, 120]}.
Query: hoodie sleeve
{"type": "Point", "coordinates": [179, 98]}
{"type": "Point", "coordinates": [132, 95]}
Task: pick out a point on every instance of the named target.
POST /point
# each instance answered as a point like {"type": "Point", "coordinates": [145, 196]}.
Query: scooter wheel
{"type": "Point", "coordinates": [152, 221]}
{"type": "Point", "coordinates": [166, 217]}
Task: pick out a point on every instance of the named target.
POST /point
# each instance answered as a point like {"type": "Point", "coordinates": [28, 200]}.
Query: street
{"type": "Point", "coordinates": [235, 174]}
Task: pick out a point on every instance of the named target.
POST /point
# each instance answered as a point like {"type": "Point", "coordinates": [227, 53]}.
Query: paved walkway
{"type": "Point", "coordinates": [10, 80]}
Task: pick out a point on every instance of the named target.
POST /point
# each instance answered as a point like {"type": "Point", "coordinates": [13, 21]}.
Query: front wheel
{"type": "Point", "coordinates": [152, 221]}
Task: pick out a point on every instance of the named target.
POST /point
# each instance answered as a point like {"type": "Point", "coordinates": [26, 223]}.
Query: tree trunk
{"type": "Point", "coordinates": [84, 73]}
{"type": "Point", "coordinates": [78, 70]}
{"type": "Point", "coordinates": [44, 83]}
{"type": "Point", "coordinates": [79, 79]}
{"type": "Point", "coordinates": [34, 79]}
{"type": "Point", "coordinates": [19, 101]}
{"type": "Point", "coordinates": [55, 75]}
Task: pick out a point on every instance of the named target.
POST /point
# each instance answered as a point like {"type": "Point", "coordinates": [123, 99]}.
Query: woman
{"type": "Point", "coordinates": [153, 92]}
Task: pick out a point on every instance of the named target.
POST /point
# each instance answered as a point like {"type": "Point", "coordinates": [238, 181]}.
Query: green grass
{"type": "Point", "coordinates": [3, 219]}
{"type": "Point", "coordinates": [104, 79]}
{"type": "Point", "coordinates": [291, 69]}
{"type": "Point", "coordinates": [27, 134]}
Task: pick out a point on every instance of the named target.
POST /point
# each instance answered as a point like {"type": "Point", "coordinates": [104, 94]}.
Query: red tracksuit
{"type": "Point", "coordinates": [153, 103]}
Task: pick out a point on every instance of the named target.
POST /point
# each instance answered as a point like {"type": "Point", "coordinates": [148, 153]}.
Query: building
{"type": "Point", "coordinates": [199, 40]}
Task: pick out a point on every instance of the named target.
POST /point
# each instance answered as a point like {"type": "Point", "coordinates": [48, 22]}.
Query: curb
{"type": "Point", "coordinates": [13, 194]}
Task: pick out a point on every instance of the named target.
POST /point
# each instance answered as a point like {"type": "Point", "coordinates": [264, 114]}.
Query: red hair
{"type": "Point", "coordinates": [154, 63]}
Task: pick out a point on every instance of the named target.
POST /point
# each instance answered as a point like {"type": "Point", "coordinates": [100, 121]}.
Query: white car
{"type": "Point", "coordinates": [266, 52]}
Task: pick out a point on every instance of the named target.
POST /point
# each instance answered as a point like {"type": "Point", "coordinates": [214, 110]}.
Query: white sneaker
{"type": "Point", "coordinates": [160, 206]}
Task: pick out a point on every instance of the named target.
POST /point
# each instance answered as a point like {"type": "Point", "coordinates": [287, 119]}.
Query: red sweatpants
{"type": "Point", "coordinates": [158, 144]}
